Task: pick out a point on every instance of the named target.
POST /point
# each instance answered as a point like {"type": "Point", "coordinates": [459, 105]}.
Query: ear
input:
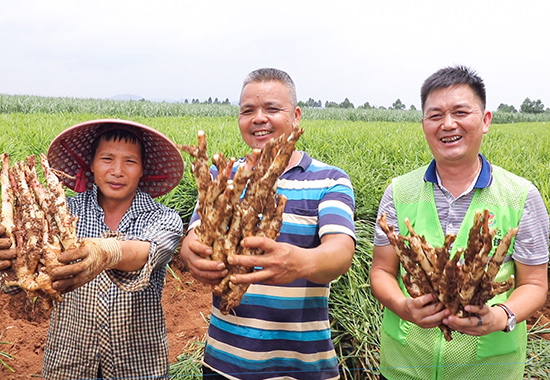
{"type": "Point", "coordinates": [487, 119]}
{"type": "Point", "coordinates": [298, 113]}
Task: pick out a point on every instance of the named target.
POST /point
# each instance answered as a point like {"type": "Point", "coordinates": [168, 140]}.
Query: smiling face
{"type": "Point", "coordinates": [266, 111]}
{"type": "Point", "coordinates": [117, 167]}
{"type": "Point", "coordinates": [454, 124]}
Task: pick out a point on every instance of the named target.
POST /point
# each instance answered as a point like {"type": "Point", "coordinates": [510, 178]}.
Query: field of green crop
{"type": "Point", "coordinates": [371, 152]}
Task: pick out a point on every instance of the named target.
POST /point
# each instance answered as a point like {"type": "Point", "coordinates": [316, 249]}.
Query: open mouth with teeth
{"type": "Point", "coordinates": [450, 139]}
{"type": "Point", "coordinates": [261, 133]}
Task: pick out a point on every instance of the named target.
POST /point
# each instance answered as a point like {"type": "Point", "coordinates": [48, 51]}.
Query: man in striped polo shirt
{"type": "Point", "coordinates": [281, 328]}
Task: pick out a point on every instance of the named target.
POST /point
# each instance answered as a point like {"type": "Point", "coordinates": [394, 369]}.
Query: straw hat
{"type": "Point", "coordinates": [70, 152]}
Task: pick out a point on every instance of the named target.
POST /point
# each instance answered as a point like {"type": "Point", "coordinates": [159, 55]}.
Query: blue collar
{"type": "Point", "coordinates": [305, 161]}
{"type": "Point", "coordinates": [484, 180]}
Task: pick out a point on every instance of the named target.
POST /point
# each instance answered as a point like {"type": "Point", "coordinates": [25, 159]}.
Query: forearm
{"type": "Point", "coordinates": [530, 293]}
{"type": "Point", "coordinates": [329, 260]}
{"type": "Point", "coordinates": [387, 291]}
{"type": "Point", "coordinates": [383, 277]}
{"type": "Point", "coordinates": [135, 254]}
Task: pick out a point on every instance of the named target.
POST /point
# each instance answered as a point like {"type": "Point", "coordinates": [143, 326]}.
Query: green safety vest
{"type": "Point", "coordinates": [411, 352]}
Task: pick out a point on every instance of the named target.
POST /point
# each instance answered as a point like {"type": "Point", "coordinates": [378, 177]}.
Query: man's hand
{"type": "Point", "coordinates": [196, 257]}
{"type": "Point", "coordinates": [6, 252]}
{"type": "Point", "coordinates": [482, 320]}
{"type": "Point", "coordinates": [85, 263]}
{"type": "Point", "coordinates": [425, 311]}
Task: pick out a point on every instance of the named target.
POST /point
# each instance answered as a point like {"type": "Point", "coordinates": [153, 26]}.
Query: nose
{"type": "Point", "coordinates": [448, 120]}
{"type": "Point", "coordinates": [117, 168]}
{"type": "Point", "coordinates": [260, 117]}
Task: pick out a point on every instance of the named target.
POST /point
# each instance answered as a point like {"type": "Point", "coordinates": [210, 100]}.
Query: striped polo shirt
{"type": "Point", "coordinates": [283, 331]}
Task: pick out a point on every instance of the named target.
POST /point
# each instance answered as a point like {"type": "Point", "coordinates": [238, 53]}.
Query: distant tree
{"type": "Point", "coordinates": [398, 105]}
{"type": "Point", "coordinates": [186, 101]}
{"type": "Point", "coordinates": [412, 108]}
{"type": "Point", "coordinates": [346, 104]}
{"type": "Point", "coordinates": [216, 101]}
{"type": "Point", "coordinates": [209, 101]}
{"type": "Point", "coordinates": [331, 104]}
{"type": "Point", "coordinates": [311, 103]}
{"type": "Point", "coordinates": [226, 101]}
{"type": "Point", "coordinates": [366, 105]}
{"type": "Point", "coordinates": [532, 106]}
{"type": "Point", "coordinates": [506, 108]}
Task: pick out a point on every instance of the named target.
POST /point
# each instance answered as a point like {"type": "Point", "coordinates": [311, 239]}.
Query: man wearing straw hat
{"type": "Point", "coordinates": [110, 323]}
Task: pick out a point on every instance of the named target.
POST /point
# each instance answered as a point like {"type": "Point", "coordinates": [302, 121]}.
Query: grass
{"type": "Point", "coordinates": [356, 329]}
{"type": "Point", "coordinates": [538, 352]}
{"type": "Point", "coordinates": [5, 355]}
{"type": "Point", "coordinates": [371, 152]}
{"type": "Point", "coordinates": [188, 365]}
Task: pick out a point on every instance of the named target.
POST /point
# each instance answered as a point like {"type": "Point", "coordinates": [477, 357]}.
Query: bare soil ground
{"type": "Point", "coordinates": [186, 306]}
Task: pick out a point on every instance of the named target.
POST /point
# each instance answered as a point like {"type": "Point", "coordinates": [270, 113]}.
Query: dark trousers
{"type": "Point", "coordinates": [208, 374]}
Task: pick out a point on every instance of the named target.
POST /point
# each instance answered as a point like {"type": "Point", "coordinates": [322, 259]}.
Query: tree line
{"type": "Point", "coordinates": [528, 106]}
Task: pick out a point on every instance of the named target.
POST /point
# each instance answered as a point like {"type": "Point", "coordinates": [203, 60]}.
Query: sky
{"type": "Point", "coordinates": [367, 51]}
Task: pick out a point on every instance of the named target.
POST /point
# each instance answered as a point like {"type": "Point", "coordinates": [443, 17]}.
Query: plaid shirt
{"type": "Point", "coordinates": [115, 322]}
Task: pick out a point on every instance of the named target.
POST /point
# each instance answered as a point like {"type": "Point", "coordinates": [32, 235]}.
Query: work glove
{"type": "Point", "coordinates": [85, 262]}
{"type": "Point", "coordinates": [7, 253]}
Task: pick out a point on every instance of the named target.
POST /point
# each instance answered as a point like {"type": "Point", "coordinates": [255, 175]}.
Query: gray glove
{"type": "Point", "coordinates": [85, 262]}
{"type": "Point", "coordinates": [7, 252]}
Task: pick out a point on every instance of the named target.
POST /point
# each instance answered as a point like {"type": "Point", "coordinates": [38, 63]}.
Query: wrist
{"type": "Point", "coordinates": [114, 252]}
{"type": "Point", "coordinates": [509, 318]}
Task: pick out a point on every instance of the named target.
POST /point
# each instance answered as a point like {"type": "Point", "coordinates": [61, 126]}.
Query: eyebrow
{"type": "Point", "coordinates": [459, 105]}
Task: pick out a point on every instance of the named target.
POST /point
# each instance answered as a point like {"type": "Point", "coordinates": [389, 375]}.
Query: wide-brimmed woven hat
{"type": "Point", "coordinates": [70, 152]}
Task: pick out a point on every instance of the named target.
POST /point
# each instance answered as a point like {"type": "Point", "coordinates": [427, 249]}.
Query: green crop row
{"type": "Point", "coordinates": [144, 108]}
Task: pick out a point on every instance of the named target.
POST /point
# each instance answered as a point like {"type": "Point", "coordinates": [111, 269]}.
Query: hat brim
{"type": "Point", "coordinates": [70, 152]}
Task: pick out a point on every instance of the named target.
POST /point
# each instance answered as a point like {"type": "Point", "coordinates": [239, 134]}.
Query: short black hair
{"type": "Point", "coordinates": [118, 134]}
{"type": "Point", "coordinates": [453, 76]}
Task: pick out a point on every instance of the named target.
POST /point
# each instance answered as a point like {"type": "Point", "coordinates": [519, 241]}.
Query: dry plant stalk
{"type": "Point", "coordinates": [431, 270]}
{"type": "Point", "coordinates": [39, 224]}
{"type": "Point", "coordinates": [225, 218]}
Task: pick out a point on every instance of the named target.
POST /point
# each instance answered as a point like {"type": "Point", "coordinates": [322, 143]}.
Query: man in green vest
{"type": "Point", "coordinates": [441, 198]}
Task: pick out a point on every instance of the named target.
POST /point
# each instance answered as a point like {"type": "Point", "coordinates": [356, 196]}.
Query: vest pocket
{"type": "Point", "coordinates": [395, 327]}
{"type": "Point", "coordinates": [499, 343]}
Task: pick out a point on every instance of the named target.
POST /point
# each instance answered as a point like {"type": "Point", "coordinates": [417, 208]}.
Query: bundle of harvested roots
{"type": "Point", "coordinates": [39, 224]}
{"type": "Point", "coordinates": [455, 282]}
{"type": "Point", "coordinates": [226, 219]}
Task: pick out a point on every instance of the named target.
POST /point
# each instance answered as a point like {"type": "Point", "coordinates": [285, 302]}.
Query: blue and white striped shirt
{"type": "Point", "coordinates": [283, 331]}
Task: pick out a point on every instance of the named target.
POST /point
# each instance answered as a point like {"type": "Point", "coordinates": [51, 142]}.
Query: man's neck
{"type": "Point", "coordinates": [457, 177]}
{"type": "Point", "coordinates": [294, 160]}
{"type": "Point", "coordinates": [114, 211]}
